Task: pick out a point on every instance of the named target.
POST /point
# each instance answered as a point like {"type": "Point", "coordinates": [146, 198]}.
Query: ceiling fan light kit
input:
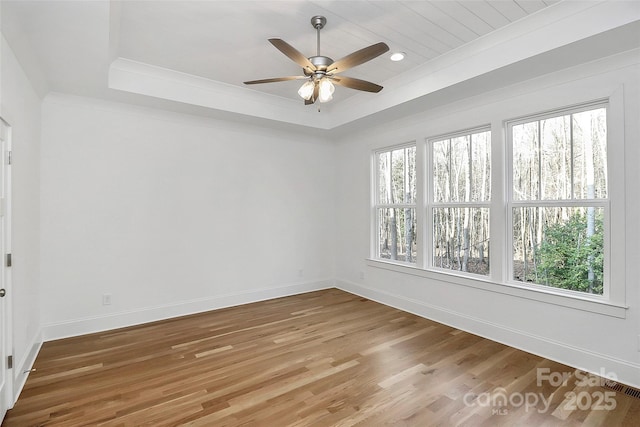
{"type": "Point", "coordinates": [320, 71]}
{"type": "Point", "coordinates": [326, 90]}
{"type": "Point", "coordinates": [306, 90]}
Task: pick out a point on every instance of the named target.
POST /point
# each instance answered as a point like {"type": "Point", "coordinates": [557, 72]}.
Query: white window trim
{"type": "Point", "coordinates": [429, 204]}
{"type": "Point", "coordinates": [599, 203]}
{"type": "Point", "coordinates": [616, 305]}
{"type": "Point", "coordinates": [548, 296]}
{"type": "Point", "coordinates": [376, 205]}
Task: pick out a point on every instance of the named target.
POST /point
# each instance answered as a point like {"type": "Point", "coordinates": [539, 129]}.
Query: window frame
{"type": "Point", "coordinates": [377, 205]}
{"type": "Point", "coordinates": [546, 100]}
{"type": "Point", "coordinates": [430, 203]}
{"type": "Point", "coordinates": [511, 203]}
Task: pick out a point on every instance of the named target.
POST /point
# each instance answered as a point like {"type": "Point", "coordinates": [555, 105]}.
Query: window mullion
{"type": "Point", "coordinates": [572, 195]}
{"type": "Point", "coordinates": [539, 161]}
{"type": "Point", "coordinates": [421, 199]}
{"type": "Point", "coordinates": [470, 166]}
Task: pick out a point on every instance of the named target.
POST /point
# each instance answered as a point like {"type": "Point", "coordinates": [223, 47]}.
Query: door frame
{"type": "Point", "coordinates": [6, 340]}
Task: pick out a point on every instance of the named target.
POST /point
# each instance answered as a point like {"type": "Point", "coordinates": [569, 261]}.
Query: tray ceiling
{"type": "Point", "coordinates": [198, 53]}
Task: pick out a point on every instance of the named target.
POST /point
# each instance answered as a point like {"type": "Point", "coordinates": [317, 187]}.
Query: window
{"type": "Point", "coordinates": [548, 222]}
{"type": "Point", "coordinates": [395, 204]}
{"type": "Point", "coordinates": [558, 202]}
{"type": "Point", "coordinates": [459, 199]}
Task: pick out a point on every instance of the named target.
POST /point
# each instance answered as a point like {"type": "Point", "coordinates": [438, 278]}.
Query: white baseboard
{"type": "Point", "coordinates": [626, 372]}
{"type": "Point", "coordinates": [22, 368]}
{"type": "Point", "coordinates": [151, 314]}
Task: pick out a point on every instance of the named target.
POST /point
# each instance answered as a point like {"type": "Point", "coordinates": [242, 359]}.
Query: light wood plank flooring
{"type": "Point", "coordinates": [325, 358]}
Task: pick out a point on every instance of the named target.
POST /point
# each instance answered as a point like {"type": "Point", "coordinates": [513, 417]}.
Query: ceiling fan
{"type": "Point", "coordinates": [320, 72]}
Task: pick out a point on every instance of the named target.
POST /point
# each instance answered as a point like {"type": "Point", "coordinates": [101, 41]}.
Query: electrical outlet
{"type": "Point", "coordinates": [362, 275]}
{"type": "Point", "coordinates": [300, 273]}
{"type": "Point", "coordinates": [106, 299]}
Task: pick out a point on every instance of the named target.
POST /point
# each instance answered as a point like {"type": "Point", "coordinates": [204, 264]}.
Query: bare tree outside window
{"type": "Point", "coordinates": [461, 192]}
{"type": "Point", "coordinates": [396, 204]}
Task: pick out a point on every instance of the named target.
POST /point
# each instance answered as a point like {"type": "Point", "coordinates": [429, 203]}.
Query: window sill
{"type": "Point", "coordinates": [521, 291]}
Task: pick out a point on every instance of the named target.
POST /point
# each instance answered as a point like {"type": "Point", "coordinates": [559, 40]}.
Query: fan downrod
{"type": "Point", "coordinates": [320, 62]}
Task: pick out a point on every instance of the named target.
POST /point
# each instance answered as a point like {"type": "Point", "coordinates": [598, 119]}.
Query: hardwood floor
{"type": "Point", "coordinates": [325, 358]}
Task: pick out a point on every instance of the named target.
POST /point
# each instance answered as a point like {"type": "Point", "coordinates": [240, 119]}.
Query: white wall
{"type": "Point", "coordinates": [577, 337]}
{"type": "Point", "coordinates": [20, 107]}
{"type": "Point", "coordinates": [171, 214]}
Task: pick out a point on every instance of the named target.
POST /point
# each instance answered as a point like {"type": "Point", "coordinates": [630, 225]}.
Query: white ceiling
{"type": "Point", "coordinates": [175, 54]}
{"type": "Point", "coordinates": [227, 41]}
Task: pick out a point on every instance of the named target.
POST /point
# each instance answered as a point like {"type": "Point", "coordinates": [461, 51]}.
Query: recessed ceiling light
{"type": "Point", "coordinates": [398, 56]}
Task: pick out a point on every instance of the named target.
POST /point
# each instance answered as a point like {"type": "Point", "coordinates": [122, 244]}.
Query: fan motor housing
{"type": "Point", "coordinates": [321, 63]}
